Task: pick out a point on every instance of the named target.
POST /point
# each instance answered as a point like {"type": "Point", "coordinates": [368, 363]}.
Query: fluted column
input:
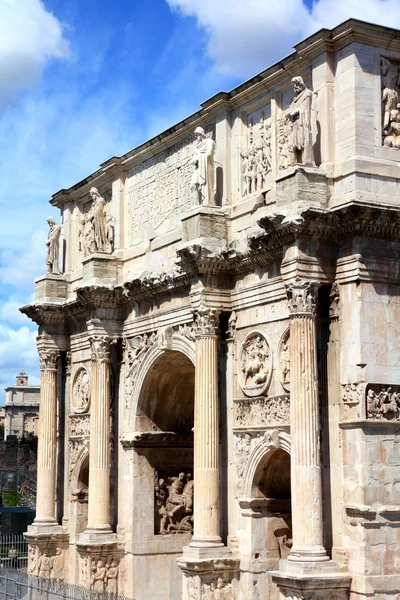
{"type": "Point", "coordinates": [304, 426]}
{"type": "Point", "coordinates": [99, 457]}
{"type": "Point", "coordinates": [206, 432]}
{"type": "Point", "coordinates": [47, 441]}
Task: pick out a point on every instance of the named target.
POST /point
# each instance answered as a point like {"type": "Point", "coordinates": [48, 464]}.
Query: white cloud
{"type": "Point", "coordinates": [246, 36]}
{"type": "Point", "coordinates": [30, 36]}
{"type": "Point", "coordinates": [9, 310]}
{"type": "Point", "coordinates": [19, 268]}
{"type": "Point", "coordinates": [17, 346]}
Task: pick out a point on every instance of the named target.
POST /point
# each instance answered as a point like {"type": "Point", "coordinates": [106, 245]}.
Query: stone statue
{"type": "Point", "coordinates": [53, 246]}
{"type": "Point", "coordinates": [110, 234]}
{"type": "Point", "coordinates": [202, 184]}
{"type": "Point", "coordinates": [299, 114]}
{"type": "Point", "coordinates": [97, 217]}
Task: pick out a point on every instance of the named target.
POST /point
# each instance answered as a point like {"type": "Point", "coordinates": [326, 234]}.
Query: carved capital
{"type": "Point", "coordinates": [100, 347]}
{"type": "Point", "coordinates": [206, 321]}
{"type": "Point", "coordinates": [48, 358]}
{"type": "Point", "coordinates": [302, 296]}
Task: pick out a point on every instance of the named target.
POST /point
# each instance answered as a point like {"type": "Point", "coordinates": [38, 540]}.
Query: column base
{"type": "Point", "coordinates": [97, 535]}
{"type": "Point", "coordinates": [314, 554]}
{"type": "Point", "coordinates": [206, 542]}
{"type": "Point", "coordinates": [309, 567]}
{"type": "Point", "coordinates": [44, 527]}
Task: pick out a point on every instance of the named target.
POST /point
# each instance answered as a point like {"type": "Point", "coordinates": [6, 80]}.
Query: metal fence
{"type": "Point", "coordinates": [19, 585]}
{"type": "Point", "coordinates": [13, 552]}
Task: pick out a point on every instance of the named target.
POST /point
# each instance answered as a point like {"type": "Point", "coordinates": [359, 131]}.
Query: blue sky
{"type": "Point", "coordinates": [83, 80]}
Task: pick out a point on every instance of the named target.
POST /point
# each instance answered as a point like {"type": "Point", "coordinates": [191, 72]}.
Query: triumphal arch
{"type": "Point", "coordinates": [219, 332]}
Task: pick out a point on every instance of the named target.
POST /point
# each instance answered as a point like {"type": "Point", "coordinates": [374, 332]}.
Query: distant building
{"type": "Point", "coordinates": [20, 413]}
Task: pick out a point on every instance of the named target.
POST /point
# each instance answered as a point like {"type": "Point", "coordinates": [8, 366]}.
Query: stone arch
{"type": "Point", "coordinates": [178, 344]}
{"type": "Point", "coordinates": [83, 456]}
{"type": "Point", "coordinates": [259, 455]}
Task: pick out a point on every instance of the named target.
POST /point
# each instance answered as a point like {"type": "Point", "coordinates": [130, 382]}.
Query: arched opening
{"type": "Point", "coordinates": [166, 400]}
{"type": "Point", "coordinates": [80, 497]}
{"type": "Point", "coordinates": [164, 447]}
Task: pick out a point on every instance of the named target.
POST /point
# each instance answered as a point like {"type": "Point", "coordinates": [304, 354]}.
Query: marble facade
{"type": "Point", "coordinates": [220, 355]}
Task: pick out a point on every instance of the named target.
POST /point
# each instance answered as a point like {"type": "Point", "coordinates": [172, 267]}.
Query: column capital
{"type": "Point", "coordinates": [206, 322]}
{"type": "Point", "coordinates": [100, 347]}
{"type": "Point", "coordinates": [48, 358]}
{"type": "Point", "coordinates": [302, 296]}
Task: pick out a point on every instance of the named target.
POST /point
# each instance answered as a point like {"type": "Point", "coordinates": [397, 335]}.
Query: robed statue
{"type": "Point", "coordinates": [202, 184]}
{"type": "Point", "coordinates": [53, 246]}
{"type": "Point", "coordinates": [299, 115]}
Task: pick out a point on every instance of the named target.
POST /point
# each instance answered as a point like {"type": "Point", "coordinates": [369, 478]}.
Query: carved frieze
{"type": "Point", "coordinates": [81, 392]}
{"type": "Point", "coordinates": [383, 402]}
{"type": "Point", "coordinates": [255, 364]}
{"type": "Point", "coordinates": [216, 589]}
{"type": "Point", "coordinates": [48, 564]}
{"type": "Point", "coordinates": [390, 103]}
{"type": "Point", "coordinates": [256, 160]}
{"type": "Point", "coordinates": [283, 141]}
{"type": "Point", "coordinates": [173, 504]}
{"type": "Point", "coordinates": [79, 425]}
{"type": "Point", "coordinates": [261, 412]}
{"type": "Point", "coordinates": [158, 189]}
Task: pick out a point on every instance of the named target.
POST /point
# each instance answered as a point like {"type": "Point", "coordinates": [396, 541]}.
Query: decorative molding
{"type": "Point", "coordinates": [255, 363]}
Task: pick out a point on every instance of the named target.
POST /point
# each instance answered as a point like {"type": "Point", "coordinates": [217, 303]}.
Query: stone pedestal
{"type": "Point", "coordinates": [50, 288]}
{"type": "Point", "coordinates": [99, 458]}
{"type": "Point", "coordinates": [99, 566]}
{"type": "Point", "coordinates": [205, 222]}
{"type": "Point", "coordinates": [304, 426]}
{"type": "Point", "coordinates": [206, 432]}
{"type": "Point", "coordinates": [299, 184]}
{"type": "Point", "coordinates": [100, 269]}
{"type": "Point", "coordinates": [207, 570]}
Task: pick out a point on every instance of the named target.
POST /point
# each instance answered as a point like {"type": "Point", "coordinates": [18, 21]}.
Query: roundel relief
{"type": "Point", "coordinates": [81, 392]}
{"type": "Point", "coordinates": [255, 364]}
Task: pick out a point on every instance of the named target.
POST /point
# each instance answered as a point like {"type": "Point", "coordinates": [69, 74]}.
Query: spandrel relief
{"type": "Point", "coordinates": [383, 402]}
{"type": "Point", "coordinates": [173, 503]}
{"type": "Point", "coordinates": [256, 156]}
{"type": "Point", "coordinates": [390, 84]}
{"type": "Point", "coordinates": [255, 364]}
{"type": "Point", "coordinates": [158, 190]}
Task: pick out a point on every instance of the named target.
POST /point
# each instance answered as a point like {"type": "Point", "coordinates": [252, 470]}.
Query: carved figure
{"type": "Point", "coordinates": [299, 114]}
{"type": "Point", "coordinates": [246, 173]}
{"type": "Point", "coordinates": [202, 184]}
{"type": "Point", "coordinates": [255, 364]}
{"type": "Point", "coordinates": [53, 246]}
{"type": "Point", "coordinates": [45, 565]}
{"type": "Point", "coordinates": [174, 504]}
{"type": "Point", "coordinates": [99, 573]}
{"type": "Point", "coordinates": [283, 141]}
{"type": "Point", "coordinates": [112, 577]}
{"type": "Point", "coordinates": [256, 161]}
{"type": "Point", "coordinates": [110, 234]}
{"type": "Point", "coordinates": [32, 560]}
{"type": "Point", "coordinates": [390, 103]}
{"type": "Point", "coordinates": [57, 567]}
{"type": "Point", "coordinates": [97, 217]}
{"type": "Point", "coordinates": [81, 392]}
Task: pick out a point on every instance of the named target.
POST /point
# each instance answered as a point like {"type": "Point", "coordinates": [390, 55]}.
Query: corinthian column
{"type": "Point", "coordinates": [304, 426]}
{"type": "Point", "coordinates": [206, 432]}
{"type": "Point", "coordinates": [47, 441]}
{"type": "Point", "coordinates": [99, 457]}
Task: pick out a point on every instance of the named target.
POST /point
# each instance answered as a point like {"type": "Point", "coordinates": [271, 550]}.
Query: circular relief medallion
{"type": "Point", "coordinates": [255, 364]}
{"type": "Point", "coordinates": [81, 392]}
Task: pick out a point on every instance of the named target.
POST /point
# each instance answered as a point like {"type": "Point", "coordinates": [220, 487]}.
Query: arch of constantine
{"type": "Point", "coordinates": [219, 345]}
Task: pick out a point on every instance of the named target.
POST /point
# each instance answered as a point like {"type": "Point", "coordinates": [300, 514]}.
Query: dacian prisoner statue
{"type": "Point", "coordinates": [53, 246]}
{"type": "Point", "coordinates": [202, 184]}
{"type": "Point", "coordinates": [98, 219]}
{"type": "Point", "coordinates": [299, 115]}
